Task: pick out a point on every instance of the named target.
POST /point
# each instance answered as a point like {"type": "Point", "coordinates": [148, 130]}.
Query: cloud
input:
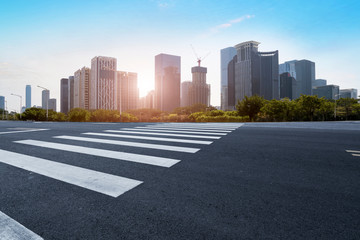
{"type": "Point", "coordinates": [163, 4]}
{"type": "Point", "coordinates": [230, 23]}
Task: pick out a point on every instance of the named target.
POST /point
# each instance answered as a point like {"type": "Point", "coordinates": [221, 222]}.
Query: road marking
{"type": "Point", "coordinates": [150, 138]}
{"type": "Point", "coordinates": [220, 125]}
{"type": "Point", "coordinates": [164, 134]}
{"type": "Point", "coordinates": [185, 129]}
{"type": "Point", "coordinates": [133, 144]}
{"type": "Point", "coordinates": [23, 131]}
{"type": "Point", "coordinates": [106, 123]}
{"type": "Point", "coordinates": [131, 157]}
{"type": "Point", "coordinates": [168, 131]}
{"type": "Point", "coordinates": [356, 155]}
{"type": "Point", "coordinates": [12, 230]}
{"type": "Point", "coordinates": [194, 127]}
{"type": "Point", "coordinates": [353, 151]}
{"type": "Point", "coordinates": [96, 181]}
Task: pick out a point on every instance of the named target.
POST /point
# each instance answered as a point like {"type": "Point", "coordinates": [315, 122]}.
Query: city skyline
{"type": "Point", "coordinates": [39, 49]}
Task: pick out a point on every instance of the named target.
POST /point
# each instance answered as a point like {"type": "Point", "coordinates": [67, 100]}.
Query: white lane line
{"type": "Point", "coordinates": [163, 134]}
{"type": "Point", "coordinates": [12, 230]}
{"type": "Point", "coordinates": [203, 125]}
{"type": "Point", "coordinates": [191, 127]}
{"type": "Point", "coordinates": [168, 131]}
{"type": "Point", "coordinates": [131, 157]}
{"type": "Point", "coordinates": [356, 155]}
{"type": "Point", "coordinates": [185, 129]}
{"type": "Point", "coordinates": [96, 181]}
{"type": "Point", "coordinates": [23, 131]}
{"type": "Point", "coordinates": [132, 144]}
{"type": "Point", "coordinates": [150, 138]}
{"type": "Point", "coordinates": [352, 151]}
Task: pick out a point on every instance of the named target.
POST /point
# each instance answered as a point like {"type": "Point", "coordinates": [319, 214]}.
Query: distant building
{"type": "Point", "coordinates": [64, 95]}
{"type": "Point", "coordinates": [167, 82]}
{"type": "Point", "coordinates": [330, 92]}
{"type": "Point", "coordinates": [319, 82]}
{"type": "Point", "coordinates": [2, 102]}
{"type": "Point", "coordinates": [127, 91]}
{"type": "Point", "coordinates": [304, 73]}
{"type": "Point", "coordinates": [150, 100]}
{"type": "Point", "coordinates": [28, 96]}
{"type": "Point", "coordinates": [103, 84]}
{"type": "Point", "coordinates": [45, 99]}
{"type": "Point", "coordinates": [287, 86]}
{"type": "Point", "coordinates": [52, 104]}
{"type": "Point", "coordinates": [185, 98]}
{"type": "Point", "coordinates": [349, 93]}
{"type": "Point", "coordinates": [227, 55]}
{"type": "Point", "coordinates": [71, 93]}
{"type": "Point", "coordinates": [23, 109]}
{"type": "Point", "coordinates": [81, 88]}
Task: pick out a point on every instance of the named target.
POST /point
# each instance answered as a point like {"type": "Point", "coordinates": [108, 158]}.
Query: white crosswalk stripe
{"type": "Point", "coordinates": [173, 131]}
{"type": "Point", "coordinates": [355, 153]}
{"type": "Point", "coordinates": [12, 230]}
{"type": "Point", "coordinates": [163, 134]}
{"type": "Point", "coordinates": [131, 157]}
{"type": "Point", "coordinates": [186, 129]}
{"type": "Point", "coordinates": [132, 144]}
{"type": "Point", "coordinates": [150, 138]}
{"type": "Point", "coordinates": [97, 181]}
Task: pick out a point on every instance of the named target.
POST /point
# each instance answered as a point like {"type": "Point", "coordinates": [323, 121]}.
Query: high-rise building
{"type": "Point", "coordinates": [45, 99]}
{"type": "Point", "coordinates": [319, 82]}
{"type": "Point", "coordinates": [288, 67]}
{"type": "Point", "coordinates": [150, 100]}
{"type": "Point", "coordinates": [227, 92]}
{"type": "Point", "coordinates": [167, 82]}
{"type": "Point", "coordinates": [185, 98]}
{"type": "Point", "coordinates": [199, 91]}
{"type": "Point", "coordinates": [305, 76]}
{"type": "Point", "coordinates": [71, 93]}
{"type": "Point", "coordinates": [2, 102]}
{"type": "Point", "coordinates": [248, 73]}
{"type": "Point", "coordinates": [81, 88]}
{"type": "Point", "coordinates": [127, 91]}
{"type": "Point", "coordinates": [330, 92]}
{"type": "Point", "coordinates": [64, 95]}
{"type": "Point", "coordinates": [103, 84]}
{"type": "Point", "coordinates": [52, 104]}
{"type": "Point", "coordinates": [349, 93]}
{"type": "Point", "coordinates": [28, 96]}
{"type": "Point", "coordinates": [287, 86]}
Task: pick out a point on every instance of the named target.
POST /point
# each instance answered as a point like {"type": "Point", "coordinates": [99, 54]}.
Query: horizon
{"type": "Point", "coordinates": [44, 42]}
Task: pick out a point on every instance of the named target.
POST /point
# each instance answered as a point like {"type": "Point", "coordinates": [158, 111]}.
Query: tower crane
{"type": "Point", "coordinates": [199, 59]}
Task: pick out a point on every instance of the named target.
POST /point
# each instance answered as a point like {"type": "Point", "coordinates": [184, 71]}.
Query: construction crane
{"type": "Point", "coordinates": [199, 59]}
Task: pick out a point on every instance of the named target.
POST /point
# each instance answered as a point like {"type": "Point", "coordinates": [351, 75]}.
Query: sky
{"type": "Point", "coordinates": [43, 41]}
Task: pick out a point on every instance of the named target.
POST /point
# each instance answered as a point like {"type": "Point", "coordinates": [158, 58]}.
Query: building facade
{"type": "Point", "coordinates": [199, 91]}
{"type": "Point", "coordinates": [305, 76]}
{"type": "Point", "coordinates": [64, 95]}
{"type": "Point", "coordinates": [71, 93]}
{"type": "Point", "coordinates": [167, 82]}
{"type": "Point", "coordinates": [330, 92]}
{"type": "Point", "coordinates": [185, 98]}
{"type": "Point", "coordinates": [52, 104]}
{"type": "Point", "coordinates": [127, 91]}
{"type": "Point", "coordinates": [103, 84]}
{"type": "Point", "coordinates": [349, 93]}
{"type": "Point", "coordinates": [28, 96]}
{"type": "Point", "coordinates": [45, 99]}
{"type": "Point", "coordinates": [287, 86]}
{"type": "Point", "coordinates": [81, 88]}
{"type": "Point", "coordinates": [2, 102]}
{"type": "Point", "coordinates": [227, 55]}
{"type": "Point", "coordinates": [319, 82]}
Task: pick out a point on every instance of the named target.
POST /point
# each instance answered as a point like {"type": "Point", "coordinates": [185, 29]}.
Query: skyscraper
{"type": "Point", "coordinates": [349, 93]}
{"type": "Point", "coordinates": [127, 92]}
{"type": "Point", "coordinates": [167, 82]}
{"type": "Point", "coordinates": [330, 92]}
{"type": "Point", "coordinates": [199, 91]}
{"type": "Point", "coordinates": [185, 98]}
{"type": "Point", "coordinates": [28, 96]}
{"type": "Point", "coordinates": [64, 95]}
{"type": "Point", "coordinates": [103, 84]}
{"type": "Point", "coordinates": [81, 88]}
{"type": "Point", "coordinates": [227, 55]}
{"type": "Point", "coordinates": [287, 86]}
{"type": "Point", "coordinates": [304, 73]}
{"type": "Point", "coordinates": [71, 93]}
{"type": "Point", "coordinates": [45, 99]}
{"type": "Point", "coordinates": [319, 82]}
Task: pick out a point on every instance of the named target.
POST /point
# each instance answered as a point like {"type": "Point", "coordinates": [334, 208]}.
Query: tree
{"type": "Point", "coordinates": [78, 115]}
{"type": "Point", "coordinates": [276, 110]}
{"type": "Point", "coordinates": [250, 106]}
{"type": "Point", "coordinates": [308, 105]}
{"type": "Point", "coordinates": [34, 114]}
{"type": "Point", "coordinates": [347, 105]}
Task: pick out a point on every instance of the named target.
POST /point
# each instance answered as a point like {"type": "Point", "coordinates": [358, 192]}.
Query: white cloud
{"type": "Point", "coordinates": [230, 23]}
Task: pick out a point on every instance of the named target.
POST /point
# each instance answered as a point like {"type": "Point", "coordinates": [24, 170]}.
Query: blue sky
{"type": "Point", "coordinates": [43, 41]}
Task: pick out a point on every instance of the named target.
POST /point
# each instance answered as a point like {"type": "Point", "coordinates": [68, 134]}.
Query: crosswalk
{"type": "Point", "coordinates": [165, 137]}
{"type": "Point", "coordinates": [354, 153]}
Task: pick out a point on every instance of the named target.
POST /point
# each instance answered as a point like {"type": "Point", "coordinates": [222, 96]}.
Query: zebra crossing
{"type": "Point", "coordinates": [161, 136]}
{"type": "Point", "coordinates": [354, 153]}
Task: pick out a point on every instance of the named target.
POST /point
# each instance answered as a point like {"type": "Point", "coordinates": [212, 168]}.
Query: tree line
{"type": "Point", "coordinates": [254, 108]}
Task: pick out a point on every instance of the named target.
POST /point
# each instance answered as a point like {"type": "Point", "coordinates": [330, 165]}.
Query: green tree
{"type": "Point", "coordinates": [308, 105]}
{"type": "Point", "coordinates": [34, 114]}
{"type": "Point", "coordinates": [78, 115]}
{"type": "Point", "coordinates": [250, 106]}
{"type": "Point", "coordinates": [346, 106]}
{"type": "Point", "coordinates": [276, 110]}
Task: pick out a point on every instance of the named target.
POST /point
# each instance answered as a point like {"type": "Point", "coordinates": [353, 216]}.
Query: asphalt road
{"type": "Point", "coordinates": [258, 181]}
